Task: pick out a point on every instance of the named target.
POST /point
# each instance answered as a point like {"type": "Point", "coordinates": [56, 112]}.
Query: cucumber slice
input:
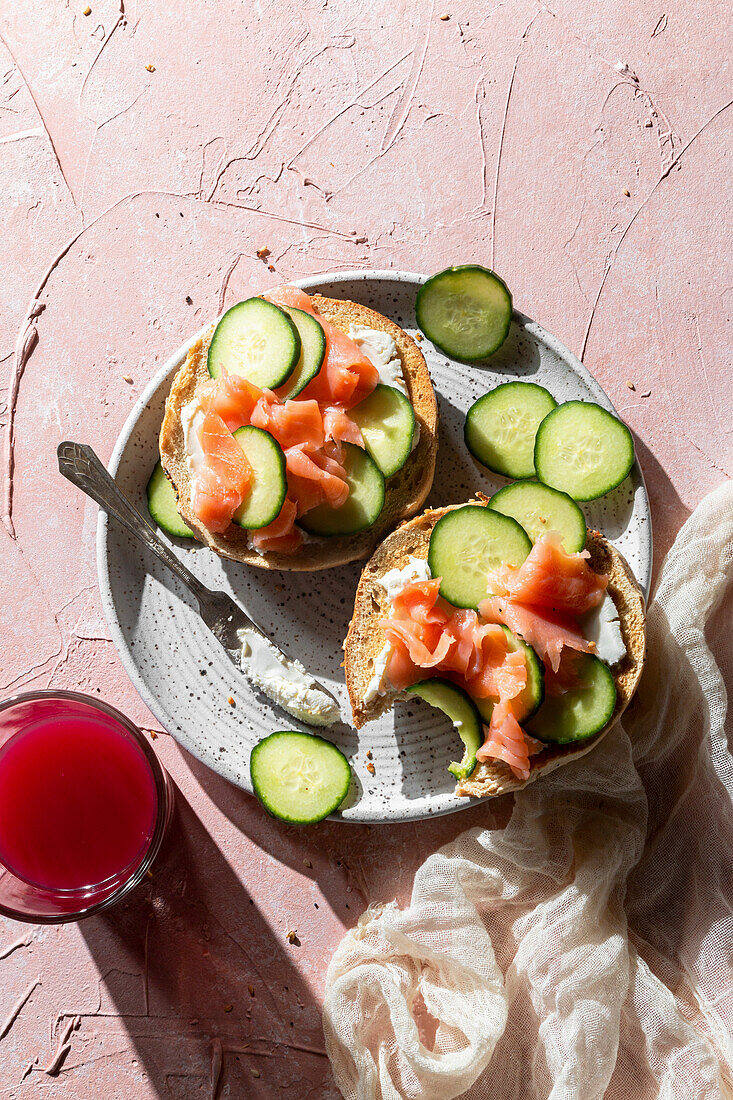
{"type": "Point", "coordinates": [462, 711]}
{"type": "Point", "coordinates": [466, 311]}
{"type": "Point", "coordinates": [387, 424]}
{"type": "Point", "coordinates": [540, 509]}
{"type": "Point", "coordinates": [583, 450]}
{"type": "Point", "coordinates": [269, 480]}
{"type": "Point", "coordinates": [299, 777]}
{"type": "Point", "coordinates": [163, 505]}
{"type": "Point", "coordinates": [466, 544]}
{"type": "Point", "coordinates": [312, 351]}
{"type": "Point", "coordinates": [364, 503]}
{"type": "Point", "coordinates": [501, 427]}
{"type": "Point", "coordinates": [580, 712]}
{"type": "Point", "coordinates": [530, 699]}
{"type": "Point", "coordinates": [256, 340]}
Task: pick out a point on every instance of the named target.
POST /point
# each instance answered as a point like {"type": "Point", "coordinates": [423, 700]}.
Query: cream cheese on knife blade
{"type": "Point", "coordinates": [285, 681]}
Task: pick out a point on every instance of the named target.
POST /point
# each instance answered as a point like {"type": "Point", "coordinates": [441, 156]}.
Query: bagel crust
{"type": "Point", "coordinates": [405, 491]}
{"type": "Point", "coordinates": [365, 641]}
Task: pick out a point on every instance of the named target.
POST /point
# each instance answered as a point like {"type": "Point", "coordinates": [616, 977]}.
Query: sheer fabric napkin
{"type": "Point", "coordinates": [586, 949]}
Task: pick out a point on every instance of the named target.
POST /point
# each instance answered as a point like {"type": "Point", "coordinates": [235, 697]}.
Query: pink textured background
{"type": "Point", "coordinates": [340, 135]}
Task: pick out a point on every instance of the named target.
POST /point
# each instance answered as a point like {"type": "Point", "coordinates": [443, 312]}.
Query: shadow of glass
{"type": "Point", "coordinates": [189, 967]}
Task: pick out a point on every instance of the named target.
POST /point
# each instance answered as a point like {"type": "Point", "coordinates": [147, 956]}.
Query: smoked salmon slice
{"type": "Point", "coordinates": [346, 376]}
{"type": "Point", "coordinates": [546, 632]}
{"type": "Point", "coordinates": [506, 741]}
{"type": "Point", "coordinates": [281, 536]}
{"type": "Point", "coordinates": [426, 633]}
{"type": "Point", "coordinates": [550, 577]}
{"type": "Point", "coordinates": [232, 397]}
{"type": "Point", "coordinates": [339, 427]}
{"type": "Point", "coordinates": [292, 423]}
{"type": "Point", "coordinates": [310, 464]}
{"type": "Point", "coordinates": [223, 479]}
{"type": "Point", "coordinates": [503, 678]}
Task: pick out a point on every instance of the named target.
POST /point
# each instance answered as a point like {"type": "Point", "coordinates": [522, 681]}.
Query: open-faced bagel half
{"type": "Point", "coordinates": [365, 640]}
{"type": "Point", "coordinates": [405, 491]}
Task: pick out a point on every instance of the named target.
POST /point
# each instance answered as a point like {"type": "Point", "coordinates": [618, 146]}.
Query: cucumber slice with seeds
{"type": "Point", "coordinates": [530, 698]}
{"type": "Point", "coordinates": [501, 427]}
{"type": "Point", "coordinates": [580, 712]}
{"type": "Point", "coordinates": [256, 340]}
{"type": "Point", "coordinates": [466, 311]}
{"type": "Point", "coordinates": [387, 424]}
{"type": "Point", "coordinates": [269, 482]}
{"type": "Point", "coordinates": [583, 450]}
{"type": "Point", "coordinates": [299, 777]}
{"type": "Point", "coordinates": [540, 509]}
{"type": "Point", "coordinates": [163, 505]}
{"type": "Point", "coordinates": [466, 544]}
{"type": "Point", "coordinates": [461, 710]}
{"type": "Point", "coordinates": [363, 505]}
{"type": "Point", "coordinates": [312, 351]}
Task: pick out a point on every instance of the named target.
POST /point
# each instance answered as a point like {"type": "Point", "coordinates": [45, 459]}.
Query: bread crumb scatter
{"type": "Point", "coordinates": [189, 300]}
{"type": "Point", "coordinates": [370, 768]}
{"type": "Point", "coordinates": [369, 754]}
{"type": "Point", "coordinates": [230, 701]}
{"type": "Point", "coordinates": [292, 937]}
{"type": "Point", "coordinates": [228, 1008]}
{"type": "Point", "coordinates": [646, 393]}
{"type": "Point", "coordinates": [150, 68]}
{"type": "Point", "coordinates": [251, 989]}
{"type": "Point", "coordinates": [627, 193]}
{"type": "Point", "coordinates": [631, 385]}
{"type": "Point", "coordinates": [307, 863]}
{"type": "Point", "coordinates": [445, 17]}
{"type": "Point", "coordinates": [87, 11]}
{"type": "Point", "coordinates": [255, 1072]}
{"type": "Point", "coordinates": [127, 378]}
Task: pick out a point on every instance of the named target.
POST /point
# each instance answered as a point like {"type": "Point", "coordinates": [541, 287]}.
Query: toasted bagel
{"type": "Point", "coordinates": [406, 490]}
{"type": "Point", "coordinates": [365, 640]}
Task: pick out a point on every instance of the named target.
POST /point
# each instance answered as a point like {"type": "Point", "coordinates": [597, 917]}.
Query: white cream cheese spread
{"type": "Point", "coordinates": [285, 681]}
{"type": "Point", "coordinates": [603, 627]}
{"type": "Point", "coordinates": [381, 350]}
{"type": "Point", "coordinates": [393, 582]}
{"type": "Point", "coordinates": [192, 416]}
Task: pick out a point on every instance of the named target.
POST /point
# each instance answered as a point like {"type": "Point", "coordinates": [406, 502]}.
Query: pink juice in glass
{"type": "Point", "coordinates": [78, 801]}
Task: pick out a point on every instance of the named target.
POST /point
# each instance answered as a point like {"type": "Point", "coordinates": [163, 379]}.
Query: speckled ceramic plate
{"type": "Point", "coordinates": [180, 670]}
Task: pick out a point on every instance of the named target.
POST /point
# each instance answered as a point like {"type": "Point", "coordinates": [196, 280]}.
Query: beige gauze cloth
{"type": "Point", "coordinates": [586, 949]}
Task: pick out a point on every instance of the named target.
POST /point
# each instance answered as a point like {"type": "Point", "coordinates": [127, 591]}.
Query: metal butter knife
{"type": "Point", "coordinates": [224, 618]}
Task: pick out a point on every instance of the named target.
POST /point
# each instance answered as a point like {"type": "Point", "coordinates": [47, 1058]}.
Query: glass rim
{"type": "Point", "coordinates": [163, 806]}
